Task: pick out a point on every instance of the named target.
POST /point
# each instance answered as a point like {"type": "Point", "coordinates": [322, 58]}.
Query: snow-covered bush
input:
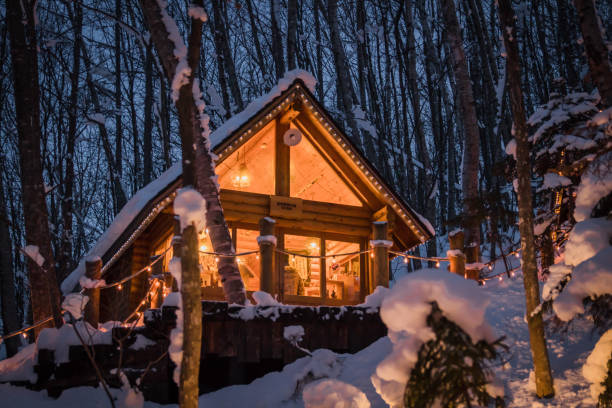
{"type": "Point", "coordinates": [597, 370]}
{"type": "Point", "coordinates": [451, 370]}
{"type": "Point", "coordinates": [437, 326]}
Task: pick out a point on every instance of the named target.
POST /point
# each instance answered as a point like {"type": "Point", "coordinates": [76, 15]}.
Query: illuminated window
{"type": "Point", "coordinates": [246, 241]}
{"type": "Point", "coordinates": [302, 276]}
{"type": "Point", "coordinates": [342, 272]}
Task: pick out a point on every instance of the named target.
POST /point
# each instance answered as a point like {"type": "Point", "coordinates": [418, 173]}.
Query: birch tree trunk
{"type": "Point", "coordinates": [45, 295]}
{"type": "Point", "coordinates": [470, 122]}
{"type": "Point", "coordinates": [544, 381]}
{"type": "Point", "coordinates": [596, 50]}
{"type": "Point", "coordinates": [199, 162]}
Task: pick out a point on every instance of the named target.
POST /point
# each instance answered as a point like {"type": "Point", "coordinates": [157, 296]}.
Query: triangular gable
{"type": "Point", "coordinates": [315, 120]}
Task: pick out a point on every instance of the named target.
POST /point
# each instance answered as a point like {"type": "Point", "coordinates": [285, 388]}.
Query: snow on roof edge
{"type": "Point", "coordinates": [233, 123]}
{"type": "Point", "coordinates": [126, 216]}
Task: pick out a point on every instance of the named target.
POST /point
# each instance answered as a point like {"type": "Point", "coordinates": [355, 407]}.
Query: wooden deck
{"type": "Point", "coordinates": [239, 345]}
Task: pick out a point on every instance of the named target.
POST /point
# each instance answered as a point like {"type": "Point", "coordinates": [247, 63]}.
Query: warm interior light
{"type": "Point", "coordinates": [242, 179]}
{"type": "Point", "coordinates": [203, 248]}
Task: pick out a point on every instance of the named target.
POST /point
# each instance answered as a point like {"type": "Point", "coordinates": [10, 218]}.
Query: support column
{"type": "Point", "coordinates": [267, 244]}
{"type": "Point", "coordinates": [456, 257]}
{"type": "Point", "coordinates": [380, 261]}
{"type": "Point", "coordinates": [93, 270]}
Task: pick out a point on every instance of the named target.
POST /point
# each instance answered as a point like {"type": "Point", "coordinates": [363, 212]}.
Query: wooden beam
{"type": "Point", "coordinates": [282, 168]}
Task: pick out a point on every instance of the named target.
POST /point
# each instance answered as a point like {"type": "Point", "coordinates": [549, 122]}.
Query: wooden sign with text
{"type": "Point", "coordinates": [285, 207]}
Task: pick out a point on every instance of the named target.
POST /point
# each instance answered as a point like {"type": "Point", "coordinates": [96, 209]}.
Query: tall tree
{"type": "Point", "coordinates": [8, 299]}
{"type": "Point", "coordinates": [172, 52]}
{"type": "Point", "coordinates": [471, 146]}
{"type": "Point", "coordinates": [292, 26]}
{"type": "Point", "coordinates": [596, 49]}
{"type": "Point", "coordinates": [544, 381]}
{"type": "Point", "coordinates": [276, 44]}
{"type": "Point", "coordinates": [21, 20]}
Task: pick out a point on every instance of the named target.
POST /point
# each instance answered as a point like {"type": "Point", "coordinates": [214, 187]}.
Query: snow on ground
{"type": "Point", "coordinates": [568, 350]}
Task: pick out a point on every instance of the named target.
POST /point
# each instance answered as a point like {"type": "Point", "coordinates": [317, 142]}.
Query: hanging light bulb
{"type": "Point", "coordinates": [203, 248]}
{"type": "Point", "coordinates": [500, 278]}
{"type": "Point", "coordinates": [217, 259]}
{"type": "Point", "coordinates": [257, 256]}
{"type": "Point", "coordinates": [242, 178]}
{"type": "Point", "coordinates": [119, 287]}
{"type": "Point", "coordinates": [405, 260]}
{"type": "Point", "coordinates": [438, 264]}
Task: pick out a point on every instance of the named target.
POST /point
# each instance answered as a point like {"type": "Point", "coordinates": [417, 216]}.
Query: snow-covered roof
{"type": "Point", "coordinates": [133, 210]}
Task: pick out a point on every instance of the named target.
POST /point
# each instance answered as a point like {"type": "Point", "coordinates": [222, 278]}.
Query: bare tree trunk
{"type": "Point", "coordinates": [255, 36]}
{"type": "Point", "coordinates": [45, 294]}
{"type": "Point", "coordinates": [203, 163]}
{"type": "Point", "coordinates": [277, 44]}
{"type": "Point", "coordinates": [343, 78]}
{"type": "Point", "coordinates": [596, 50]}
{"type": "Point", "coordinates": [291, 34]}
{"type": "Point", "coordinates": [221, 31]}
{"type": "Point", "coordinates": [64, 257]}
{"type": "Point", "coordinates": [470, 122]}
{"type": "Point", "coordinates": [319, 51]}
{"type": "Point", "coordinates": [544, 381]}
{"type": "Point", "coordinates": [147, 134]}
{"type": "Point", "coordinates": [8, 299]}
{"type": "Point", "coordinates": [118, 165]}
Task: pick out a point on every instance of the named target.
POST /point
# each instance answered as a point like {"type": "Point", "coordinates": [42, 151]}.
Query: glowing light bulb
{"type": "Point", "coordinates": [238, 260]}
{"type": "Point", "coordinates": [257, 256]}
{"type": "Point", "coordinates": [25, 335]}
{"type": "Point", "coordinates": [500, 278]}
{"type": "Point", "coordinates": [405, 260]}
{"type": "Point", "coordinates": [217, 259]}
{"type": "Point", "coordinates": [203, 248]}
{"type": "Point", "coordinates": [438, 264]}
{"type": "Point", "coordinates": [516, 254]}
{"type": "Point", "coordinates": [148, 269]}
{"type": "Point", "coordinates": [119, 287]}
{"type": "Point", "coordinates": [490, 267]}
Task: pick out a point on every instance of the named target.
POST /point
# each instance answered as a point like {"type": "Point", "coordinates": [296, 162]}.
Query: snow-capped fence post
{"type": "Point", "coordinates": [380, 261]}
{"type": "Point", "coordinates": [456, 257]}
{"type": "Point", "coordinates": [266, 254]}
{"type": "Point", "coordinates": [93, 270]}
{"type": "Point", "coordinates": [177, 248]}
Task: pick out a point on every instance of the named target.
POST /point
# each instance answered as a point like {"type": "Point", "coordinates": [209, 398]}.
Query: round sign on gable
{"type": "Point", "coordinates": [292, 137]}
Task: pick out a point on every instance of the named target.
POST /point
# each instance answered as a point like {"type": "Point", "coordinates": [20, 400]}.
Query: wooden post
{"type": "Point", "coordinates": [157, 271]}
{"type": "Point", "coordinates": [456, 257]}
{"type": "Point", "coordinates": [266, 254]}
{"type": "Point", "coordinates": [472, 255]}
{"type": "Point", "coordinates": [177, 249]}
{"type": "Point", "coordinates": [380, 262]}
{"type": "Point", "coordinates": [93, 270]}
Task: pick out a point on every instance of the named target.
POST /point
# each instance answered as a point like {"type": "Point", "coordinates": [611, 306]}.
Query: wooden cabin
{"type": "Point", "coordinates": [282, 158]}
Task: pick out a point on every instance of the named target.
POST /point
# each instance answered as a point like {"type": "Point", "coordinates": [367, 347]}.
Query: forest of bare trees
{"type": "Point", "coordinates": [399, 76]}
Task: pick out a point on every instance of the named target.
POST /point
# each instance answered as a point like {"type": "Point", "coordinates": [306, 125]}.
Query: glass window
{"type": "Point", "coordinates": [251, 167]}
{"type": "Point", "coordinates": [209, 275]}
{"type": "Point", "coordinates": [302, 276]}
{"type": "Point", "coordinates": [343, 272]}
{"type": "Point", "coordinates": [246, 241]}
{"type": "Point", "coordinates": [312, 178]}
